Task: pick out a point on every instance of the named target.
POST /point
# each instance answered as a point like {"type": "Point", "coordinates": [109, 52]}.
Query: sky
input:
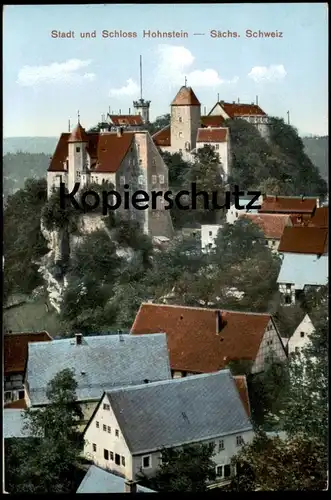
{"type": "Point", "coordinates": [47, 80]}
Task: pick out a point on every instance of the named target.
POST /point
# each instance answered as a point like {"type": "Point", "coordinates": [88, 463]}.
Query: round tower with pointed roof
{"type": "Point", "coordinates": [77, 157]}
{"type": "Point", "coordinates": [185, 120]}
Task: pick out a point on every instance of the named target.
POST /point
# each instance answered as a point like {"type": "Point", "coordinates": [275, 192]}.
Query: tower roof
{"type": "Point", "coordinates": [78, 134]}
{"type": "Point", "coordinates": [185, 97]}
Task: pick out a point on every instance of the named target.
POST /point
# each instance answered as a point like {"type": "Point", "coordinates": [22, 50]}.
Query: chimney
{"type": "Point", "coordinates": [79, 338]}
{"type": "Point", "coordinates": [119, 112]}
{"type": "Point", "coordinates": [218, 315]}
{"type": "Point", "coordinates": [119, 132]}
{"type": "Point", "coordinates": [222, 102]}
{"type": "Point", "coordinates": [233, 102]}
{"type": "Point", "coordinates": [257, 100]}
{"type": "Point", "coordinates": [238, 100]}
{"type": "Point", "coordinates": [205, 110]}
{"type": "Point", "coordinates": [129, 111]}
{"type": "Point", "coordinates": [130, 487]}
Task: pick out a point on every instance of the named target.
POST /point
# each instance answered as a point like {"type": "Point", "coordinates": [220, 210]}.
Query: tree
{"type": "Point", "coordinates": [47, 464]}
{"type": "Point", "coordinates": [184, 470]}
{"type": "Point", "coordinates": [160, 123]}
{"type": "Point", "coordinates": [178, 169]}
{"type": "Point", "coordinates": [274, 464]}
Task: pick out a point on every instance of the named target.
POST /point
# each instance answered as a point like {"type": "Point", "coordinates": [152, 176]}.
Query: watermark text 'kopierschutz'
{"type": "Point", "coordinates": [141, 200]}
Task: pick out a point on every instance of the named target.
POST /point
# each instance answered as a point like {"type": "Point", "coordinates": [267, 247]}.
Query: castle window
{"type": "Point", "coordinates": [78, 175]}
{"type": "Point", "coordinates": [187, 146]}
{"type": "Point", "coordinates": [161, 179]}
{"type": "Point", "coordinates": [302, 334]}
{"type": "Point", "coordinates": [180, 134]}
{"type": "Point", "coordinates": [154, 179]}
{"type": "Point", "coordinates": [122, 180]}
{"type": "Point", "coordinates": [141, 180]}
{"type": "Point", "coordinates": [154, 162]}
{"type": "Point", "coordinates": [217, 146]}
{"type": "Point", "coordinates": [180, 119]}
{"type": "Point", "coordinates": [77, 150]}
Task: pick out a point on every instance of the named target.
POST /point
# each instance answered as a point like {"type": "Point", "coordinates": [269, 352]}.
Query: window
{"type": "Point", "coordinates": [20, 394]}
{"type": "Point", "coordinates": [140, 162]}
{"type": "Point", "coordinates": [288, 300]}
{"type": "Point", "coordinates": [78, 175]}
{"type": "Point", "coordinates": [269, 342]}
{"type": "Point", "coordinates": [108, 429]}
{"type": "Point", "coordinates": [117, 459]}
{"type": "Point", "coordinates": [117, 433]}
{"type": "Point", "coordinates": [227, 470]}
{"type": "Point", "coordinates": [219, 471]}
{"type": "Point", "coordinates": [217, 146]}
{"type": "Point", "coordinates": [221, 445]}
{"type": "Point", "coordinates": [106, 407]}
{"type": "Point", "coordinates": [111, 455]}
{"type": "Point", "coordinates": [106, 454]}
{"type": "Point", "coordinates": [180, 134]}
{"type": "Point", "coordinates": [122, 180]}
{"type": "Point", "coordinates": [161, 179]}
{"type": "Point", "coordinates": [180, 119]}
{"type": "Point", "coordinates": [154, 179]}
{"type": "Point", "coordinates": [146, 461]}
{"type": "Point", "coordinates": [77, 150]}
{"type": "Point", "coordinates": [154, 162]}
{"type": "Point", "coordinates": [187, 146]}
{"type": "Point", "coordinates": [104, 427]}
{"type": "Point", "coordinates": [239, 441]}
{"type": "Point", "coordinates": [288, 286]}
{"type": "Point", "coordinates": [210, 233]}
{"type": "Point", "coordinates": [97, 424]}
{"type": "Point", "coordinates": [123, 461]}
{"type": "Point", "coordinates": [94, 447]}
{"type": "Point", "coordinates": [302, 334]}
{"type": "Point", "coordinates": [266, 242]}
{"type": "Point", "coordinates": [140, 180]}
{"type": "Point", "coordinates": [297, 350]}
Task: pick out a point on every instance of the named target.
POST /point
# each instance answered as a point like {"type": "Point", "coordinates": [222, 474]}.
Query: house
{"type": "Point", "coordinates": [128, 160]}
{"type": "Point", "coordinates": [234, 212]}
{"type": "Point", "coordinates": [320, 218]}
{"type": "Point", "coordinates": [209, 234]}
{"type": "Point", "coordinates": [301, 206]}
{"type": "Point", "coordinates": [132, 425]}
{"type": "Point", "coordinates": [272, 226]}
{"type": "Point", "coordinates": [128, 122]}
{"type": "Point", "coordinates": [98, 480]}
{"type": "Point", "coordinates": [15, 358]}
{"type": "Point", "coordinates": [206, 340]}
{"type": "Point", "coordinates": [300, 337]}
{"type": "Point", "coordinates": [304, 260]}
{"type": "Point", "coordinates": [189, 131]}
{"type": "Point", "coordinates": [219, 140]}
{"type": "Point", "coordinates": [99, 363]}
{"type": "Point", "coordinates": [249, 112]}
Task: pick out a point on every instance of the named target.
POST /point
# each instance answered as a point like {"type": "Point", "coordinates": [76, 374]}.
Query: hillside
{"type": "Point", "coordinates": [33, 145]}
{"type": "Point", "coordinates": [317, 148]}
{"type": "Point", "coordinates": [19, 166]}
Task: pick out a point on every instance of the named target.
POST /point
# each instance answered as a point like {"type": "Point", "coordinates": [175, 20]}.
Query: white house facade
{"type": "Point", "coordinates": [300, 337]}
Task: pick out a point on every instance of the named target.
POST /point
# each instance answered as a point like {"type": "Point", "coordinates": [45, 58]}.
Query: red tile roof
{"type": "Point", "coordinates": [130, 120]}
{"type": "Point", "coordinates": [320, 218]}
{"type": "Point", "coordinates": [236, 109]}
{"type": "Point", "coordinates": [287, 204]}
{"type": "Point", "coordinates": [185, 97]}
{"type": "Point", "coordinates": [212, 121]}
{"type": "Point", "coordinates": [107, 151]}
{"type": "Point", "coordinates": [78, 134]}
{"type": "Point", "coordinates": [303, 239]}
{"type": "Point", "coordinates": [16, 349]}
{"type": "Point", "coordinates": [241, 384]}
{"type": "Point", "coordinates": [193, 343]}
{"type": "Point", "coordinates": [162, 137]}
{"type": "Point", "coordinates": [19, 404]}
{"type": "Point", "coordinates": [212, 135]}
{"type": "Point", "coordinates": [272, 225]}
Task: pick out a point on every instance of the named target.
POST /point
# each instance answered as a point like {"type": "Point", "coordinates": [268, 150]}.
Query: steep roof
{"type": "Point", "coordinates": [185, 97]}
{"type": "Point", "coordinates": [288, 204]}
{"type": "Point", "coordinates": [16, 349]}
{"type": "Point", "coordinates": [100, 363]}
{"type": "Point", "coordinates": [212, 121]}
{"type": "Point", "coordinates": [128, 120]}
{"type": "Point", "coordinates": [98, 480]}
{"type": "Point", "coordinates": [272, 225]}
{"type": "Point", "coordinates": [107, 151]}
{"type": "Point", "coordinates": [193, 343]}
{"type": "Point", "coordinates": [212, 134]}
{"type": "Point", "coordinates": [304, 269]}
{"type": "Point", "coordinates": [179, 411]}
{"type": "Point", "coordinates": [162, 137]}
{"type": "Point", "coordinates": [304, 239]}
{"type": "Point", "coordinates": [234, 109]}
{"type": "Point", "coordinates": [78, 134]}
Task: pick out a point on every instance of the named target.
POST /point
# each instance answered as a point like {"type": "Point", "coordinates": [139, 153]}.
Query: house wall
{"type": "Point", "coordinates": [300, 337]}
{"type": "Point", "coordinates": [13, 387]}
{"type": "Point", "coordinates": [221, 457]}
{"type": "Point", "coordinates": [271, 345]}
{"type": "Point", "coordinates": [218, 111]}
{"type": "Point", "coordinates": [108, 441]}
{"type": "Point", "coordinates": [208, 235]}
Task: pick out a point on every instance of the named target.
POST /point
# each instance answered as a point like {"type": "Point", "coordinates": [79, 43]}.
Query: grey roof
{"type": "Point", "coordinates": [100, 363]}
{"type": "Point", "coordinates": [304, 269]}
{"type": "Point", "coordinates": [13, 424]}
{"type": "Point", "coordinates": [175, 412]}
{"type": "Point", "coordinates": [98, 480]}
